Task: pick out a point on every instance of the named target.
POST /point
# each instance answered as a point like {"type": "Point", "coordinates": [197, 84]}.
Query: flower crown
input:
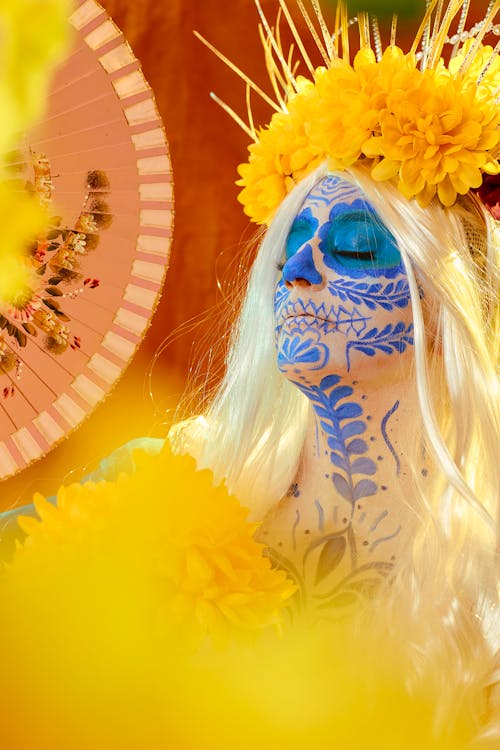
{"type": "Point", "coordinates": [430, 127]}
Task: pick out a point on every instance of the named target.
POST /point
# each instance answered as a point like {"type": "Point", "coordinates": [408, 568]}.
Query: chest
{"type": "Point", "coordinates": [335, 552]}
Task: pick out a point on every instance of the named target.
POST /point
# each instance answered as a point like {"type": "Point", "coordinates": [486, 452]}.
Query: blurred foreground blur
{"type": "Point", "coordinates": [140, 613]}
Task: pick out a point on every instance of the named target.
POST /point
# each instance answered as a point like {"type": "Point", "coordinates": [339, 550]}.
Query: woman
{"type": "Point", "coordinates": [358, 416]}
{"type": "Point", "coordinates": [358, 399]}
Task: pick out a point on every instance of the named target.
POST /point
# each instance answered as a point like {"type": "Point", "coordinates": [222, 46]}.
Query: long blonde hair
{"type": "Point", "coordinates": [254, 429]}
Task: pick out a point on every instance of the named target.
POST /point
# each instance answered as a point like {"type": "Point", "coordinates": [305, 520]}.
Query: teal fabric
{"type": "Point", "coordinates": [121, 460]}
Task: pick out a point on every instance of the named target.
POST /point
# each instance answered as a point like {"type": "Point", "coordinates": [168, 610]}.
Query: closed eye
{"type": "Point", "coordinates": [356, 254]}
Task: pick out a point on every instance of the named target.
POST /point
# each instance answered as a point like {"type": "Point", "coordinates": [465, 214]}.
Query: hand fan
{"type": "Point", "coordinates": [99, 162]}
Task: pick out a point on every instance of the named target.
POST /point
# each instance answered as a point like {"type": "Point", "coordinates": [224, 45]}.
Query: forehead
{"type": "Point", "coordinates": [333, 196]}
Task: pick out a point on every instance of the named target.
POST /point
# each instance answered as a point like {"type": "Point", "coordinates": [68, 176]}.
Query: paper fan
{"type": "Point", "coordinates": [99, 161]}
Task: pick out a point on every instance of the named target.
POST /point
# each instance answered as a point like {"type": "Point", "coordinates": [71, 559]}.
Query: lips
{"type": "Point", "coordinates": [302, 323]}
{"type": "Point", "coordinates": [310, 316]}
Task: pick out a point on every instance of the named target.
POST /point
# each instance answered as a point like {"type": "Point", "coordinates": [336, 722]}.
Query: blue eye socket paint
{"type": "Point", "coordinates": [354, 241]}
{"type": "Point", "coordinates": [302, 230]}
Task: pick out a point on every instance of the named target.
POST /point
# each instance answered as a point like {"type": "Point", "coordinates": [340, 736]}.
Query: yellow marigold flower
{"type": "Point", "coordinates": [483, 69]}
{"type": "Point", "coordinates": [435, 138]}
{"type": "Point", "coordinates": [282, 156]}
{"type": "Point", "coordinates": [340, 120]}
{"type": "Point", "coordinates": [164, 535]}
{"type": "Point", "coordinates": [435, 132]}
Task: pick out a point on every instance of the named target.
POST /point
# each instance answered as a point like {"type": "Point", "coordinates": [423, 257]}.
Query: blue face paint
{"type": "Point", "coordinates": [302, 230]}
{"type": "Point", "coordinates": [343, 295]}
{"type": "Point", "coordinates": [301, 266]}
{"type": "Point", "coordinates": [356, 243]}
{"type": "Point", "coordinates": [343, 316]}
{"type": "Point", "coordinates": [353, 239]}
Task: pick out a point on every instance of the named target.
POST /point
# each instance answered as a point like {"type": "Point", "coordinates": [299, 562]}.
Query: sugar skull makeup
{"type": "Point", "coordinates": [342, 302]}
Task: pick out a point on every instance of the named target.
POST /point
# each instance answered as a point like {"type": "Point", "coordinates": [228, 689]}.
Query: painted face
{"type": "Point", "coordinates": [342, 302]}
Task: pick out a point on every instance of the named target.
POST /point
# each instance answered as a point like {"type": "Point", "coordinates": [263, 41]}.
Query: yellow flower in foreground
{"type": "Point", "coordinates": [114, 579]}
{"type": "Point", "coordinates": [21, 218]}
{"type": "Point", "coordinates": [167, 528]}
{"type": "Point", "coordinates": [34, 38]}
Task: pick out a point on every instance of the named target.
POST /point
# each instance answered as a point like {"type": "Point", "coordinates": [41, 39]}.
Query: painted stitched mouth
{"type": "Point", "coordinates": [330, 317]}
{"type": "Point", "coordinates": [308, 310]}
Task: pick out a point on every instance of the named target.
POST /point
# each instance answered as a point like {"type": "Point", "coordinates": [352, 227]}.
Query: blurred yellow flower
{"type": "Point", "coordinates": [105, 599]}
{"type": "Point", "coordinates": [184, 537]}
{"type": "Point", "coordinates": [34, 37]}
{"type": "Point", "coordinates": [22, 218]}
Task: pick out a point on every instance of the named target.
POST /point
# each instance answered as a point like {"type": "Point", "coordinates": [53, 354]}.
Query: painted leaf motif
{"type": "Point", "coordinates": [330, 557]}
{"type": "Point", "coordinates": [387, 297]}
{"type": "Point", "coordinates": [385, 304]}
{"type": "Point", "coordinates": [342, 486]}
{"type": "Point", "coordinates": [344, 599]}
{"type": "Point", "coordinates": [357, 446]}
{"type": "Point", "coordinates": [348, 411]}
{"type": "Point", "coordinates": [329, 381]}
{"type": "Point", "coordinates": [342, 391]}
{"type": "Point", "coordinates": [335, 445]}
{"type": "Point", "coordinates": [329, 428]}
{"type": "Point", "coordinates": [339, 461]}
{"type": "Point", "coordinates": [385, 331]}
{"type": "Point", "coordinates": [320, 412]}
{"type": "Point", "coordinates": [370, 351]}
{"type": "Point", "coordinates": [402, 301]}
{"type": "Point", "coordinates": [387, 349]}
{"type": "Point", "coordinates": [364, 488]}
{"type": "Point", "coordinates": [363, 466]}
{"type": "Point", "coordinates": [353, 428]}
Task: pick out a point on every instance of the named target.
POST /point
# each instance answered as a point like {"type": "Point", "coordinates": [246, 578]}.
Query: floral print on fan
{"type": "Point", "coordinates": [57, 274]}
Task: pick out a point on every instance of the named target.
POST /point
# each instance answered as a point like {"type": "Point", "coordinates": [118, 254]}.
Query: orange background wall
{"type": "Point", "coordinates": [206, 147]}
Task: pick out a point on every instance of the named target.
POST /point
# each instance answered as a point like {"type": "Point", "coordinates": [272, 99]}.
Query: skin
{"type": "Point", "coordinates": [344, 337]}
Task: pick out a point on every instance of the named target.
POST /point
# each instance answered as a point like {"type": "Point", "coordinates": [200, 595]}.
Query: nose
{"type": "Point", "coordinates": [299, 270]}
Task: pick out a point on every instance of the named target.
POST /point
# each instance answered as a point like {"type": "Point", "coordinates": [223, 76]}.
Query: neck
{"type": "Point", "coordinates": [356, 439]}
{"type": "Point", "coordinates": [345, 518]}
